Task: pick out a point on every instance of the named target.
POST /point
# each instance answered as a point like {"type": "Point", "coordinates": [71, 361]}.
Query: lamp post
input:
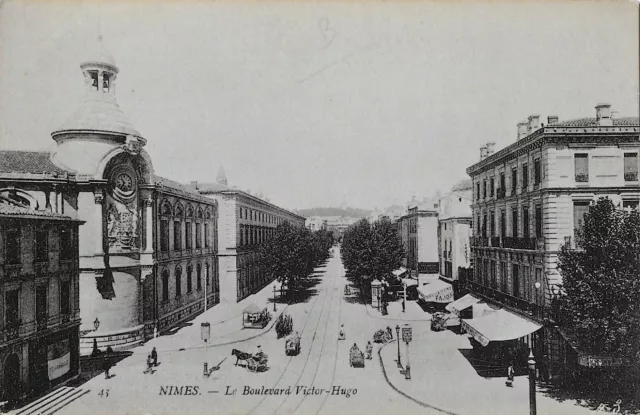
{"type": "Point", "coordinates": [205, 332]}
{"type": "Point", "coordinates": [96, 324]}
{"type": "Point", "coordinates": [406, 333]}
{"type": "Point", "coordinates": [274, 298]}
{"type": "Point", "coordinates": [404, 298]}
{"type": "Point", "coordinates": [398, 341]}
{"type": "Point", "coordinates": [532, 384]}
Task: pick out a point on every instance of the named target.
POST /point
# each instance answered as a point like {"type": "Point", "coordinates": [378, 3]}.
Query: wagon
{"type": "Point", "coordinates": [356, 358]}
{"type": "Point", "coordinates": [382, 336]}
{"type": "Point", "coordinates": [292, 345]}
{"type": "Point", "coordinates": [257, 364]}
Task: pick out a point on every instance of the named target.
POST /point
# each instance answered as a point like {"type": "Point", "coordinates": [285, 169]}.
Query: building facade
{"type": "Point", "coordinates": [39, 297]}
{"type": "Point", "coordinates": [528, 200]}
{"type": "Point", "coordinates": [146, 240]}
{"type": "Point", "coordinates": [454, 234]}
{"type": "Point", "coordinates": [421, 228]}
{"type": "Point", "coordinates": [245, 222]}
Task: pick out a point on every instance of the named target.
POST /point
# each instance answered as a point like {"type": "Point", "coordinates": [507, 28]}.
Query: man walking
{"type": "Point", "coordinates": [154, 357]}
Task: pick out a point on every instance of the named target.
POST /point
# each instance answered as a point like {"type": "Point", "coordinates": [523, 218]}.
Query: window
{"type": "Point", "coordinates": [581, 168]}
{"type": "Point", "coordinates": [514, 181]}
{"type": "Point", "coordinates": [105, 82]}
{"type": "Point", "coordinates": [12, 312]}
{"type": "Point", "coordinates": [177, 235]}
{"type": "Point", "coordinates": [94, 79]}
{"type": "Point", "coordinates": [188, 234]}
{"type": "Point", "coordinates": [164, 235]}
{"type": "Point", "coordinates": [165, 285]}
{"type": "Point", "coordinates": [484, 191]}
{"type": "Point", "coordinates": [503, 184]}
{"type": "Point", "coordinates": [630, 204]}
{"type": "Point", "coordinates": [41, 303]}
{"type": "Point", "coordinates": [478, 190]}
{"type": "Point", "coordinates": [504, 277]}
{"type": "Point", "coordinates": [514, 222]}
{"type": "Point", "coordinates": [64, 297]}
{"type": "Point", "coordinates": [178, 282]}
{"type": "Point", "coordinates": [537, 172]}
{"type": "Point", "coordinates": [66, 244]}
{"type": "Point", "coordinates": [579, 210]}
{"type": "Point", "coordinates": [630, 167]}
{"type": "Point", "coordinates": [240, 213]}
{"type": "Point", "coordinates": [525, 176]}
{"type": "Point", "coordinates": [199, 277]}
{"type": "Point", "coordinates": [525, 222]}
{"type": "Point", "coordinates": [42, 245]}
{"type": "Point", "coordinates": [484, 225]}
{"type": "Point", "coordinates": [538, 221]}
{"type": "Point", "coordinates": [493, 223]}
{"type": "Point", "coordinates": [198, 235]}
{"type": "Point", "coordinates": [189, 283]}
{"type": "Point", "coordinates": [206, 235]}
{"type": "Point", "coordinates": [516, 281]}
{"type": "Point", "coordinates": [503, 223]}
{"type": "Point", "coordinates": [491, 187]}
{"type": "Point", "coordinates": [494, 270]}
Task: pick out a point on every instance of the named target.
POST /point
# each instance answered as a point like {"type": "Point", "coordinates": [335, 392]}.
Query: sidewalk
{"type": "Point", "coordinates": [442, 378]}
{"type": "Point", "coordinates": [413, 312]}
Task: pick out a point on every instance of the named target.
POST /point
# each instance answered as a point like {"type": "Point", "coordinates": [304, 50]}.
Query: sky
{"type": "Point", "coordinates": [353, 103]}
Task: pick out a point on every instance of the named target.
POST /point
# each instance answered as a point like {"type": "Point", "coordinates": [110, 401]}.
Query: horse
{"type": "Point", "coordinates": [240, 355]}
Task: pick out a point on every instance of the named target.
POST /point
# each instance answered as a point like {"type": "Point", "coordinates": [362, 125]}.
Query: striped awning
{"type": "Point", "coordinates": [436, 292]}
{"type": "Point", "coordinates": [499, 326]}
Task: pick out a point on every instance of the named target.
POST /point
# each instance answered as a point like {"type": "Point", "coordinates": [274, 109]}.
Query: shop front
{"type": "Point", "coordinates": [53, 359]}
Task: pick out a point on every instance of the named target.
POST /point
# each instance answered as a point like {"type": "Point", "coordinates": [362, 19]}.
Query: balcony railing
{"type": "Point", "coordinates": [631, 177]}
{"type": "Point", "coordinates": [479, 241]}
{"type": "Point", "coordinates": [64, 318]}
{"type": "Point", "coordinates": [520, 243]}
{"type": "Point", "coordinates": [531, 244]}
{"type": "Point", "coordinates": [494, 241]}
{"type": "Point", "coordinates": [508, 300]}
{"type": "Point", "coordinates": [12, 330]}
{"type": "Point", "coordinates": [501, 193]}
{"type": "Point", "coordinates": [582, 178]}
{"type": "Point", "coordinates": [41, 323]}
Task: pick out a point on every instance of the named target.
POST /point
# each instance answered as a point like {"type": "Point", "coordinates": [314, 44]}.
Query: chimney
{"type": "Point", "coordinates": [490, 149]}
{"type": "Point", "coordinates": [522, 129]}
{"type": "Point", "coordinates": [194, 184]}
{"type": "Point", "coordinates": [552, 119]}
{"type": "Point", "coordinates": [534, 122]}
{"type": "Point", "coordinates": [603, 114]}
{"type": "Point", "coordinates": [483, 152]}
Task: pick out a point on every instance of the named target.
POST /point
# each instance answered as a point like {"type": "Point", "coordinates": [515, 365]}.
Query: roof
{"type": "Point", "coordinates": [592, 122]}
{"type": "Point", "coordinates": [13, 210]}
{"type": "Point", "coordinates": [162, 181]}
{"type": "Point", "coordinates": [252, 309]}
{"type": "Point", "coordinates": [34, 162]}
{"type": "Point", "coordinates": [207, 188]}
{"type": "Point", "coordinates": [100, 54]}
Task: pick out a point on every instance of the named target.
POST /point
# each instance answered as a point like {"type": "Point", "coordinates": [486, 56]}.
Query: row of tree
{"type": "Point", "coordinates": [600, 301]}
{"type": "Point", "coordinates": [371, 250]}
{"type": "Point", "coordinates": [292, 254]}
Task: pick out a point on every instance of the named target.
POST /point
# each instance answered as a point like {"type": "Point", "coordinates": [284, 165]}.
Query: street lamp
{"type": "Point", "coordinates": [398, 341]}
{"type": "Point", "coordinates": [532, 384]}
{"type": "Point", "coordinates": [205, 334]}
{"type": "Point", "coordinates": [96, 324]}
{"type": "Point", "coordinates": [274, 298]}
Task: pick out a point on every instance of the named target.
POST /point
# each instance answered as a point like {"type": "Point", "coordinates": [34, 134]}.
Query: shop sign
{"type": "Point", "coordinates": [58, 359]}
{"type": "Point", "coordinates": [444, 296]}
{"type": "Point", "coordinates": [406, 334]}
{"type": "Point", "coordinates": [476, 334]}
{"type": "Point", "coordinates": [600, 361]}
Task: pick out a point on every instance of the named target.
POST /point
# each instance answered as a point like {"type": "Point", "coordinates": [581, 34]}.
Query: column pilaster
{"type": "Point", "coordinates": [98, 197]}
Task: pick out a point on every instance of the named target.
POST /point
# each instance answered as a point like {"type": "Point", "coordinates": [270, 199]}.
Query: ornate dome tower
{"type": "Point", "coordinates": [86, 140]}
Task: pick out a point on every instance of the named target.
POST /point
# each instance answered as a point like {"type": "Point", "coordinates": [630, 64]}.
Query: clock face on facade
{"type": "Point", "coordinates": [124, 183]}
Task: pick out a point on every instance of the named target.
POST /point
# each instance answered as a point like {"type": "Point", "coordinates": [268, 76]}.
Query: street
{"type": "Point", "coordinates": [317, 381]}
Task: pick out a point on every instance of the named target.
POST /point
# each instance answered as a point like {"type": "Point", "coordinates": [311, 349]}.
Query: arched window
{"type": "Point", "coordinates": [206, 276]}
{"type": "Point", "coordinates": [166, 212]}
{"type": "Point", "coordinates": [189, 283]}
{"type": "Point", "coordinates": [199, 277]}
{"type": "Point", "coordinates": [165, 285]}
{"type": "Point", "coordinates": [177, 228]}
{"type": "Point", "coordinates": [178, 281]}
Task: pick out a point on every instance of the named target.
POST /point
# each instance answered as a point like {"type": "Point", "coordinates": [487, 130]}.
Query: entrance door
{"type": "Point", "coordinates": [11, 379]}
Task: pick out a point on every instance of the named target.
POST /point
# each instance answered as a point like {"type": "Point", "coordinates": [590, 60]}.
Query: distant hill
{"type": "Point", "coordinates": [328, 211]}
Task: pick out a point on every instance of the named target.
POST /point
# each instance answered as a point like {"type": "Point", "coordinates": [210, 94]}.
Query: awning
{"type": "Point", "coordinates": [436, 292]}
{"type": "Point", "coordinates": [499, 326]}
{"type": "Point", "coordinates": [400, 271]}
{"type": "Point", "coordinates": [462, 303]}
{"type": "Point", "coordinates": [252, 309]}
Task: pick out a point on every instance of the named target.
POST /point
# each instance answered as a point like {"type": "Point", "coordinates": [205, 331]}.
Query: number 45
{"type": "Point", "coordinates": [104, 393]}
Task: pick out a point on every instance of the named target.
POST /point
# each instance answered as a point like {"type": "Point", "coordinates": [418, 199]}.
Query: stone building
{"type": "Point", "coordinates": [245, 221]}
{"type": "Point", "coordinates": [528, 200]}
{"type": "Point", "coordinates": [454, 233]}
{"type": "Point", "coordinates": [39, 313]}
{"type": "Point", "coordinates": [148, 248]}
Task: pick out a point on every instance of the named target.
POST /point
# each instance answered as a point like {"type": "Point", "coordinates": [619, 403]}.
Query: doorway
{"type": "Point", "coordinates": [11, 379]}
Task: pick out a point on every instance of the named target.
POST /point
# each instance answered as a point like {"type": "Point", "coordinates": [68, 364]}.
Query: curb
{"type": "Point", "coordinates": [419, 402]}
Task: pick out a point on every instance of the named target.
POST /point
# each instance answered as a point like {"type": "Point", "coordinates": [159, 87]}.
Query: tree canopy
{"type": "Point", "coordinates": [371, 250]}
{"type": "Point", "coordinates": [600, 304]}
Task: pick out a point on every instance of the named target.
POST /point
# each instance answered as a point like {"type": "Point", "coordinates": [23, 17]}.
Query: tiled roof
{"type": "Point", "coordinates": [592, 122]}
{"type": "Point", "coordinates": [13, 210]}
{"type": "Point", "coordinates": [34, 162]}
{"type": "Point", "coordinates": [206, 188]}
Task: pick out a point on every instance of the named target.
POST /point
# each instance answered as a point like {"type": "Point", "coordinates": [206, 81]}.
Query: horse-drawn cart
{"type": "Point", "coordinates": [292, 345]}
{"type": "Point", "coordinates": [356, 357]}
{"type": "Point", "coordinates": [257, 363]}
{"type": "Point", "coordinates": [255, 318]}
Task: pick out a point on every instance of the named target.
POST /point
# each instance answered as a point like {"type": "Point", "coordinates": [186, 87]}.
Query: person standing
{"type": "Point", "coordinates": [106, 366]}
{"type": "Point", "coordinates": [154, 357]}
{"type": "Point", "coordinates": [510, 375]}
{"type": "Point", "coordinates": [369, 350]}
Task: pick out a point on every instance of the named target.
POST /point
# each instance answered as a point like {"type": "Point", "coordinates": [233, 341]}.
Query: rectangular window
{"type": "Point", "coordinates": [41, 303]}
{"type": "Point", "coordinates": [503, 185]}
{"type": "Point", "coordinates": [514, 181]}
{"type": "Point", "coordinates": [491, 187]}
{"type": "Point", "coordinates": [206, 235]}
{"type": "Point", "coordinates": [503, 223]}
{"type": "Point", "coordinates": [64, 297]}
{"type": "Point", "coordinates": [538, 221]}
{"type": "Point", "coordinates": [12, 246]}
{"type": "Point", "coordinates": [66, 244]}
{"type": "Point", "coordinates": [494, 271]}
{"type": "Point", "coordinates": [504, 277]}
{"type": "Point", "coordinates": [630, 167]}
{"type": "Point", "coordinates": [525, 222]}
{"type": "Point", "coordinates": [484, 225]}
{"type": "Point", "coordinates": [198, 235]}
{"type": "Point", "coordinates": [579, 210]}
{"type": "Point", "coordinates": [241, 213]}
{"type": "Point", "coordinates": [12, 312]}
{"type": "Point", "coordinates": [478, 190]}
{"type": "Point", "coordinates": [537, 172]}
{"type": "Point", "coordinates": [514, 222]}
{"type": "Point", "coordinates": [177, 236]}
{"type": "Point", "coordinates": [484, 191]}
{"type": "Point", "coordinates": [525, 176]}
{"type": "Point", "coordinates": [188, 235]}
{"type": "Point", "coordinates": [42, 245]}
{"type": "Point", "coordinates": [516, 281]}
{"type": "Point", "coordinates": [164, 235]}
{"type": "Point", "coordinates": [493, 223]}
{"type": "Point", "coordinates": [581, 166]}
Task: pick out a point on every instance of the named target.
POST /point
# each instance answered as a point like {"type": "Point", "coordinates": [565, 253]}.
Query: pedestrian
{"type": "Point", "coordinates": [106, 365]}
{"type": "Point", "coordinates": [149, 364]}
{"type": "Point", "coordinates": [154, 357]}
{"type": "Point", "coordinates": [510, 375]}
{"type": "Point", "coordinates": [369, 350]}
{"type": "Point", "coordinates": [403, 306]}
